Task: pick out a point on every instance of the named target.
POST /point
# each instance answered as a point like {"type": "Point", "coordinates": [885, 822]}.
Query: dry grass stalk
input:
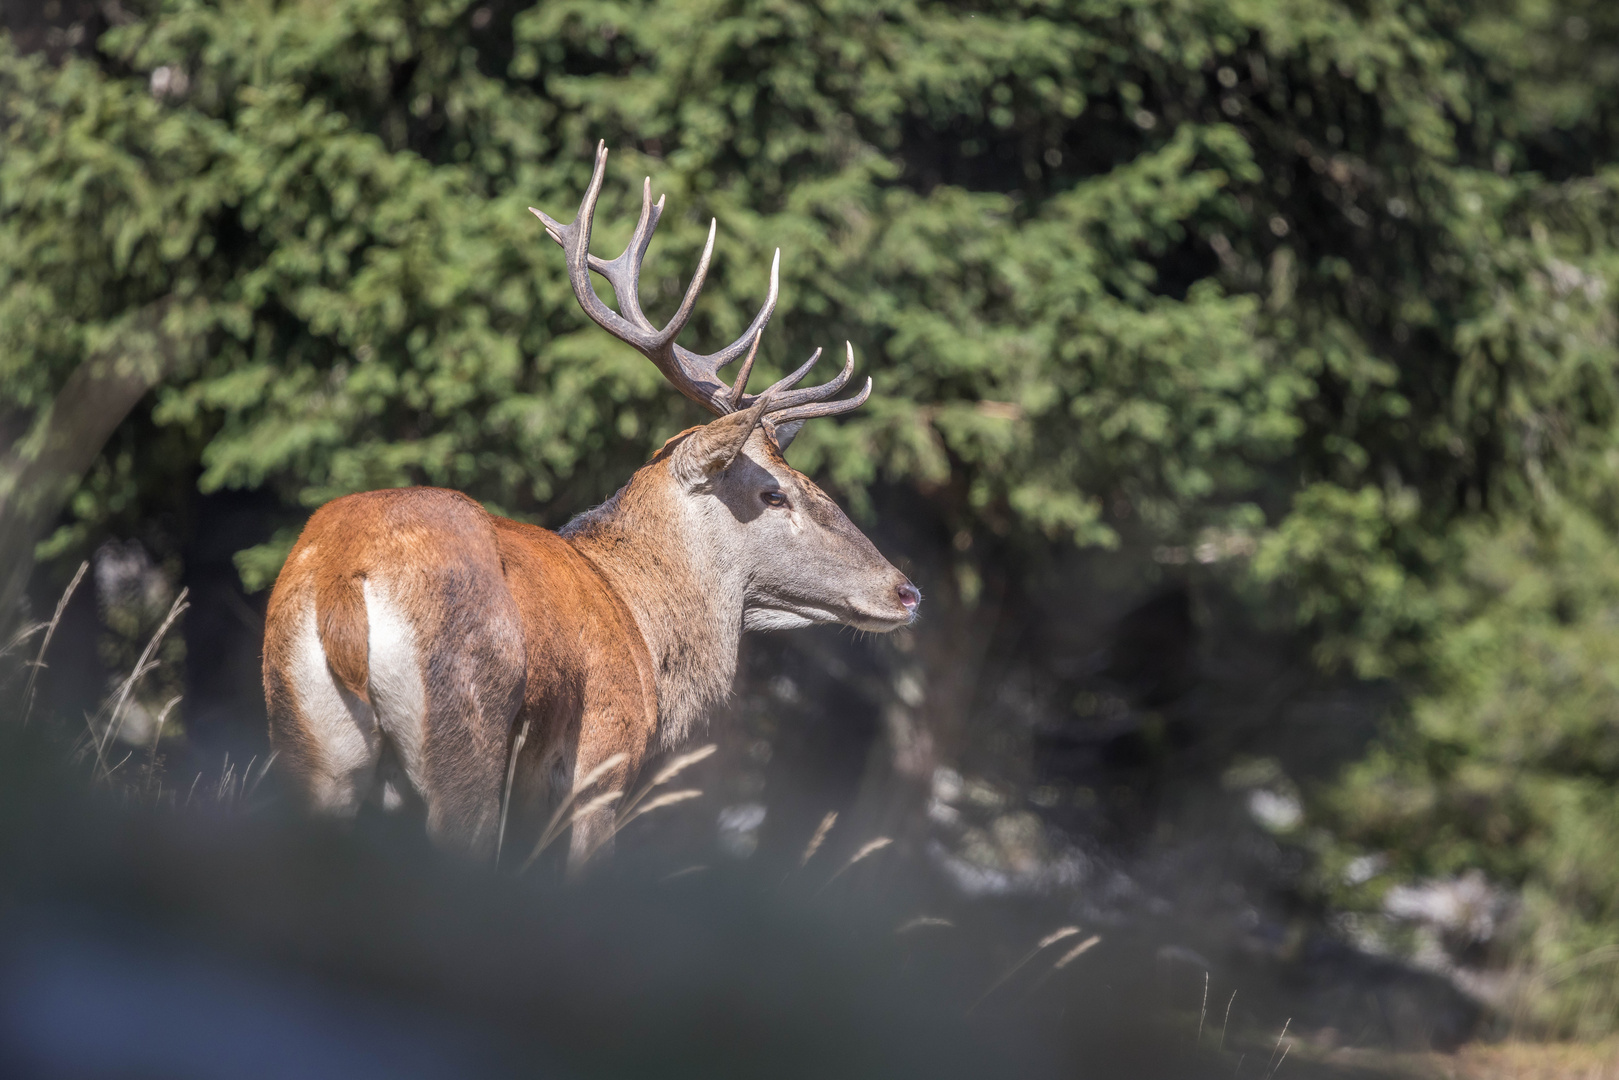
{"type": "Point", "coordinates": [674, 768]}
{"type": "Point", "coordinates": [679, 765]}
{"type": "Point", "coordinates": [157, 737]}
{"type": "Point", "coordinates": [1227, 1018]}
{"type": "Point", "coordinates": [1279, 1061]}
{"type": "Point", "coordinates": [142, 666]}
{"type": "Point", "coordinates": [696, 869]}
{"type": "Point", "coordinates": [668, 798]}
{"type": "Point", "coordinates": [638, 806]}
{"type": "Point", "coordinates": [1204, 1011]}
{"type": "Point", "coordinates": [1052, 939]}
{"type": "Point", "coordinates": [50, 632]}
{"type": "Point", "coordinates": [506, 798]}
{"type": "Point", "coordinates": [263, 771]}
{"type": "Point", "coordinates": [20, 637]}
{"type": "Point", "coordinates": [561, 819]}
{"type": "Point", "coordinates": [1270, 1067]}
{"type": "Point", "coordinates": [1076, 952]}
{"type": "Point", "coordinates": [922, 922]}
{"type": "Point", "coordinates": [1060, 934]}
{"type": "Point", "coordinates": [590, 806]}
{"type": "Point", "coordinates": [227, 773]}
{"type": "Point", "coordinates": [600, 802]}
{"type": "Point", "coordinates": [818, 838]}
{"type": "Point", "coordinates": [1533, 988]}
{"type": "Point", "coordinates": [870, 847]}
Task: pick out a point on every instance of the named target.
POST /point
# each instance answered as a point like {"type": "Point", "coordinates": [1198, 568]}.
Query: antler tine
{"type": "Point", "coordinates": [695, 375]}
{"type": "Point", "coordinates": [806, 404]}
{"type": "Point", "coordinates": [741, 384]}
{"type": "Point", "coordinates": [793, 377]}
{"type": "Point", "coordinates": [575, 240]}
{"type": "Point", "coordinates": [748, 341]}
{"type": "Point", "coordinates": [824, 408]}
{"type": "Point", "coordinates": [624, 272]}
{"type": "Point", "coordinates": [716, 360]}
{"type": "Point", "coordinates": [677, 322]}
{"type": "Point", "coordinates": [786, 399]}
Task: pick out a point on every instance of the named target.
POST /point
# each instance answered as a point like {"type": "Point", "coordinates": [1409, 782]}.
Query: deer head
{"type": "Point", "coordinates": [744, 520]}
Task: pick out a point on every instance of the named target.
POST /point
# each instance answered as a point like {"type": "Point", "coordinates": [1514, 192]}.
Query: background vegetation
{"type": "Point", "coordinates": [1304, 309]}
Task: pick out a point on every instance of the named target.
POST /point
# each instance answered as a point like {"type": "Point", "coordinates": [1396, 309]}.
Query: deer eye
{"type": "Point", "coordinates": [773, 498]}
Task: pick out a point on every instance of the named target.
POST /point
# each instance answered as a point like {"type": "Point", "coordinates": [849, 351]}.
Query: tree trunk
{"type": "Point", "coordinates": [40, 471]}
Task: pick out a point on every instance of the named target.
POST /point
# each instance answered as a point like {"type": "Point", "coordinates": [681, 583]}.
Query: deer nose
{"type": "Point", "coordinates": [909, 595]}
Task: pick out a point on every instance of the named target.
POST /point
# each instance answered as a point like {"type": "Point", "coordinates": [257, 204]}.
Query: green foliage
{"type": "Point", "coordinates": [1009, 211]}
{"type": "Point", "coordinates": [1510, 762]}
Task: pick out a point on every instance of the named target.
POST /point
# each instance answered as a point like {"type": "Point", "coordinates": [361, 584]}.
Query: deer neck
{"type": "Point", "coordinates": [656, 555]}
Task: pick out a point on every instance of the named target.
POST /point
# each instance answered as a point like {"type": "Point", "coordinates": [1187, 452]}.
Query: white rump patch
{"type": "Point", "coordinates": [397, 691]}
{"type": "Point", "coordinates": [340, 724]}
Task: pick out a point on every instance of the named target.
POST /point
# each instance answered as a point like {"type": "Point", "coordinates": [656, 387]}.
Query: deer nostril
{"type": "Point", "coordinates": [909, 595]}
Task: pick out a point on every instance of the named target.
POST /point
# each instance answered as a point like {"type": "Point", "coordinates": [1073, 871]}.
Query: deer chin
{"type": "Point", "coordinates": [784, 617]}
{"type": "Point", "coordinates": [881, 624]}
{"type": "Point", "coordinates": [790, 616]}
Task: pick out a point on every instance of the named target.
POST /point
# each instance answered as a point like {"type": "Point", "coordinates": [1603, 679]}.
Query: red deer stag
{"type": "Point", "coordinates": [412, 634]}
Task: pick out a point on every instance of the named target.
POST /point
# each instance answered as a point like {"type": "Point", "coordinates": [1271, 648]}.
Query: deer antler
{"type": "Point", "coordinates": [693, 374]}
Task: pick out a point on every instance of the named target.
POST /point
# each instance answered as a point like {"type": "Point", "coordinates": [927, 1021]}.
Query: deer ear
{"type": "Point", "coordinates": [711, 448]}
{"type": "Point", "coordinates": [786, 433]}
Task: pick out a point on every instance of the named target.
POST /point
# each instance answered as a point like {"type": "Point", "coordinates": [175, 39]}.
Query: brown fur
{"type": "Point", "coordinates": [340, 617]}
{"type": "Point", "coordinates": [412, 627]}
{"type": "Point", "coordinates": [619, 631]}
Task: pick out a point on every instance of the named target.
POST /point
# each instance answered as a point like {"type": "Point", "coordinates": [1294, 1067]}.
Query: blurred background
{"type": "Point", "coordinates": [1247, 376]}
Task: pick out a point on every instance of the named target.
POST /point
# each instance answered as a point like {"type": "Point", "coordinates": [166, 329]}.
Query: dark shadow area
{"type": "Point", "coordinates": [243, 942]}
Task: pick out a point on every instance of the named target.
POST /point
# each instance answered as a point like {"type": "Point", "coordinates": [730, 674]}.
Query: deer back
{"type": "Point", "coordinates": [411, 628]}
